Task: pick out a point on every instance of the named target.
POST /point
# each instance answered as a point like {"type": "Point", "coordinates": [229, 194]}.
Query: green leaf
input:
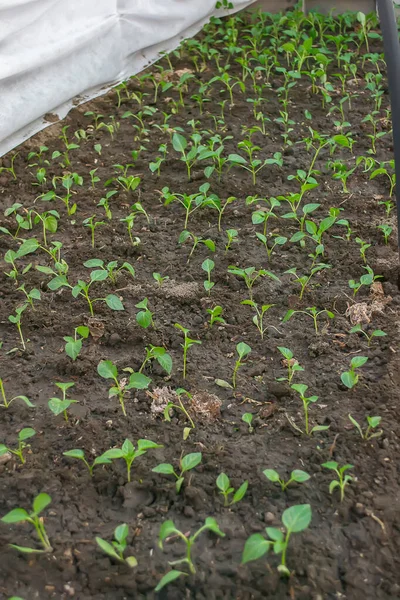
{"type": "Point", "coordinates": [40, 503]}
{"type": "Point", "coordinates": [144, 318]}
{"type": "Point", "coordinates": [75, 453]}
{"type": "Point", "coordinates": [333, 484]}
{"type": "Point", "coordinates": [168, 578]}
{"type": "Point", "coordinates": [275, 534]}
{"type": "Point", "coordinates": [114, 302]}
{"type": "Point", "coordinates": [72, 347]}
{"type": "Point", "coordinates": [98, 275]}
{"type": "Point", "coordinates": [112, 454]}
{"type": "Point", "coordinates": [15, 516]}
{"type": "Point", "coordinates": [297, 518]}
{"type": "Point", "coordinates": [190, 461]}
{"type": "Point", "coordinates": [26, 550]}
{"type": "Point", "coordinates": [255, 547]}
{"type": "Point", "coordinates": [331, 464]}
{"type": "Point", "coordinates": [128, 448]}
{"type": "Point", "coordinates": [26, 433]}
{"type": "Point", "coordinates": [179, 143]}
{"type": "Point", "coordinates": [165, 361]}
{"type": "Point", "coordinates": [222, 383]}
{"type": "Point", "coordinates": [240, 492]}
{"type": "Point", "coordinates": [107, 548]}
{"type": "Point", "coordinates": [223, 482]}
{"type": "Point", "coordinates": [144, 445]}
{"type": "Point", "coordinates": [27, 247]}
{"type": "Point", "coordinates": [179, 483]}
{"type": "Point", "coordinates": [212, 525]}
{"type": "Point", "coordinates": [349, 379]}
{"type": "Point", "coordinates": [299, 476]}
{"type": "Point", "coordinates": [288, 354]}
{"type": "Point", "coordinates": [272, 475]}
{"type": "Point", "coordinates": [121, 532]}
{"type": "Point", "coordinates": [288, 315]}
{"type": "Point", "coordinates": [164, 469]}
{"type": "Point", "coordinates": [237, 159]}
{"type": "Point", "coordinates": [138, 381]}
{"type": "Point", "coordinates": [358, 361]}
{"type": "Point", "coordinates": [243, 349]}
{"type": "Point", "coordinates": [131, 562]}
{"type": "Point", "coordinates": [107, 369]}
{"type": "Point", "coordinates": [167, 529]}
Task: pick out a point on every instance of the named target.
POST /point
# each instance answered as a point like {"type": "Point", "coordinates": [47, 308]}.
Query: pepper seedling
{"type": "Point", "coordinates": [159, 354]}
{"type": "Point", "coordinates": [301, 389]}
{"type": "Point", "coordinates": [250, 276]}
{"type": "Point", "coordinates": [225, 488]}
{"type": "Point", "coordinates": [138, 381]}
{"type": "Point", "coordinates": [111, 269]}
{"type": "Point", "coordinates": [297, 476]}
{"type": "Point", "coordinates": [186, 463]}
{"type": "Point", "coordinates": [16, 320]}
{"type": "Point", "coordinates": [377, 333]}
{"type": "Point", "coordinates": [118, 546]}
{"type": "Point", "coordinates": [350, 378]}
{"type": "Point", "coordinates": [295, 519]}
{"type": "Point", "coordinates": [291, 363]}
{"type": "Point", "coordinates": [7, 403]}
{"type": "Point", "coordinates": [187, 343]}
{"type": "Point", "coordinates": [312, 312]}
{"type": "Point", "coordinates": [215, 315]}
{"type": "Point", "coordinates": [180, 406]}
{"type": "Point", "coordinates": [368, 279]}
{"type": "Point", "coordinates": [248, 419]}
{"type": "Point", "coordinates": [23, 435]}
{"type": "Point", "coordinates": [74, 343]}
{"type": "Point", "coordinates": [61, 405]}
{"type": "Point", "coordinates": [342, 479]}
{"type": "Point", "coordinates": [368, 434]}
{"type": "Point", "coordinates": [160, 280]}
{"type": "Point", "coordinates": [207, 266]}
{"type": "Point", "coordinates": [144, 317]}
{"type": "Point", "coordinates": [128, 452]}
{"type": "Point", "coordinates": [20, 515]}
{"type": "Point", "coordinates": [80, 455]}
{"type": "Point", "coordinates": [259, 316]}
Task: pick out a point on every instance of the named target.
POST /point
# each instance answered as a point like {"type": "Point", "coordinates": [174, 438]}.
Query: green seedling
{"type": "Point", "coordinates": [168, 530]}
{"type": "Point", "coordinates": [144, 317]}
{"type": "Point", "coordinates": [80, 455]}
{"type": "Point", "coordinates": [295, 519]}
{"type": "Point", "coordinates": [368, 279]}
{"type": "Point", "coordinates": [376, 333]}
{"type": "Point", "coordinates": [10, 258]}
{"type": "Point", "coordinates": [61, 405]}
{"type": "Point", "coordinates": [291, 363]}
{"type": "Point", "coordinates": [10, 169]}
{"type": "Point", "coordinates": [118, 546]}
{"type": "Point", "coordinates": [187, 343]}
{"type": "Point", "coordinates": [304, 280]}
{"type": "Point", "coordinates": [259, 316]}
{"type": "Point", "coordinates": [7, 403]}
{"type": "Point", "coordinates": [186, 463]}
{"type": "Point", "coordinates": [23, 435]}
{"type": "Point", "coordinates": [225, 489]}
{"type": "Point", "coordinates": [242, 350]}
{"type": "Point", "coordinates": [350, 378]}
{"type": "Point", "coordinates": [128, 453]}
{"type": "Point", "coordinates": [342, 479]}
{"type": "Point", "coordinates": [207, 266]}
{"type": "Point", "coordinates": [160, 355]}
{"type": "Point", "coordinates": [215, 315]}
{"type": "Point", "coordinates": [34, 294]}
{"type": "Point", "coordinates": [138, 381]}
{"type": "Point", "coordinates": [16, 320]}
{"type": "Point", "coordinates": [250, 276]}
{"type": "Point", "coordinates": [312, 312]}
{"type": "Point", "coordinates": [160, 280]}
{"type": "Point", "coordinates": [232, 235]}
{"type": "Point", "coordinates": [386, 230]}
{"type": "Point", "coordinates": [105, 203]}
{"type": "Point", "coordinates": [248, 419]}
{"type": "Point", "coordinates": [111, 269]}
{"type": "Point", "coordinates": [251, 164]}
{"type": "Point", "coordinates": [363, 248]}
{"type": "Point", "coordinates": [187, 235]}
{"type": "Point", "coordinates": [20, 515]}
{"type": "Point", "coordinates": [74, 343]}
{"type": "Point", "coordinates": [189, 157]}
{"type": "Point", "coordinates": [297, 476]}
{"type": "Point", "coordinates": [92, 224]}
{"type": "Point", "coordinates": [180, 406]}
{"type": "Point", "coordinates": [301, 389]}
{"type": "Point", "coordinates": [368, 434]}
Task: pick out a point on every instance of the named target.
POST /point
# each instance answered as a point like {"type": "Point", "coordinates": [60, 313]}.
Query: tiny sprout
{"type": "Point", "coordinates": [92, 225]}
{"type": "Point", "coordinates": [350, 378]}
{"type": "Point", "coordinates": [312, 312]}
{"type": "Point", "coordinates": [366, 279]}
{"type": "Point", "coordinates": [297, 475]}
{"type": "Point", "coordinates": [80, 455]}
{"type": "Point", "coordinates": [117, 547]}
{"type": "Point", "coordinates": [74, 343]}
{"type": "Point", "coordinates": [168, 530]}
{"type": "Point", "coordinates": [248, 418]}
{"type": "Point", "coordinates": [180, 406]}
{"type": "Point", "coordinates": [368, 434]}
{"type": "Point", "coordinates": [138, 381]}
{"type": "Point", "coordinates": [188, 342]}
{"type": "Point", "coordinates": [159, 354]}
{"type": "Point", "coordinates": [242, 350]}
{"type": "Point", "coordinates": [342, 480]}
{"type": "Point", "coordinates": [207, 266]}
{"type": "Point", "coordinates": [7, 403]}
{"type": "Point", "coordinates": [232, 235]}
{"type": "Point", "coordinates": [259, 316]}
{"type": "Point", "coordinates": [295, 519]}
{"type": "Point", "coordinates": [224, 486]}
{"type": "Point", "coordinates": [377, 333]}
{"type": "Point", "coordinates": [144, 317]}
{"type": "Point", "coordinates": [19, 515]}
{"type": "Point", "coordinates": [290, 362]}
{"type": "Point", "coordinates": [57, 405]}
{"type": "Point", "coordinates": [23, 435]}
{"type": "Point", "coordinates": [128, 452]}
{"type": "Point", "coordinates": [160, 280]}
{"type": "Point", "coordinates": [186, 463]}
{"type": "Point", "coordinates": [215, 315]}
{"type": "Point", "coordinates": [250, 276]}
{"type": "Point", "coordinates": [16, 320]}
{"type": "Point", "coordinates": [301, 389]}
{"type": "Point", "coordinates": [34, 294]}
{"type": "Point", "coordinates": [386, 230]}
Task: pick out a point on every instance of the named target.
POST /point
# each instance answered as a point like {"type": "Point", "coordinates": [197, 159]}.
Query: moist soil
{"type": "Point", "coordinates": [351, 550]}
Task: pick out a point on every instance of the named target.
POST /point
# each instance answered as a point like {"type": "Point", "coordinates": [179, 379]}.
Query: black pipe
{"type": "Point", "coordinates": [392, 56]}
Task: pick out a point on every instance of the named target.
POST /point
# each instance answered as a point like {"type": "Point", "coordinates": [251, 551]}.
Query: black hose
{"type": "Point", "coordinates": [392, 56]}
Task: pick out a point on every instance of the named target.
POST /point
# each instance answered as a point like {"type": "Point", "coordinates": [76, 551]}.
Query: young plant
{"type": "Point", "coordinates": [250, 276]}
{"type": "Point", "coordinates": [34, 294]}
{"type": "Point", "coordinates": [215, 315]}
{"type": "Point", "coordinates": [144, 317]}
{"type": "Point", "coordinates": [376, 333]}
{"type": "Point", "coordinates": [16, 320]}
{"type": "Point", "coordinates": [160, 355]}
{"type": "Point", "coordinates": [74, 343]}
{"type": "Point", "coordinates": [80, 455]}
{"type": "Point", "coordinates": [368, 279]}
{"type": "Point", "coordinates": [118, 546]}
{"type": "Point", "coordinates": [207, 266]}
{"type": "Point", "coordinates": [368, 434]}
{"type": "Point", "coordinates": [304, 280]}
{"type": "Point", "coordinates": [291, 363]}
{"type": "Point", "coordinates": [259, 316]}
{"type": "Point", "coordinates": [128, 453]}
{"type": "Point", "coordinates": [297, 476]}
{"type": "Point", "coordinates": [342, 479]}
{"type": "Point", "coordinates": [23, 435]}
{"type": "Point", "coordinates": [7, 403]}
{"type": "Point", "coordinates": [169, 530]}
{"type": "Point", "coordinates": [61, 405]}
{"type": "Point", "coordinates": [295, 519]}
{"type": "Point", "coordinates": [138, 381]}
{"type": "Point", "coordinates": [232, 235]}
{"type": "Point", "coordinates": [20, 515]}
{"type": "Point", "coordinates": [180, 406]}
{"type": "Point", "coordinates": [312, 312]}
{"type": "Point", "coordinates": [248, 419]}
{"type": "Point", "coordinates": [252, 164]}
{"type": "Point", "coordinates": [160, 280]}
{"type": "Point", "coordinates": [187, 235]}
{"type": "Point", "coordinates": [187, 343]}
{"type": "Point", "coordinates": [242, 350]}
{"type": "Point", "coordinates": [111, 269]}
{"type": "Point", "coordinates": [386, 230]}
{"type": "Point", "coordinates": [186, 463]}
{"type": "Point", "coordinates": [350, 378]}
{"type": "Point", "coordinates": [301, 389]}
{"type": "Point", "coordinates": [225, 489]}
{"type": "Point", "coordinates": [92, 224]}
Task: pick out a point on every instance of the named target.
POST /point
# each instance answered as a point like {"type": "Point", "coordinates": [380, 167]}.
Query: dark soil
{"type": "Point", "coordinates": [351, 550]}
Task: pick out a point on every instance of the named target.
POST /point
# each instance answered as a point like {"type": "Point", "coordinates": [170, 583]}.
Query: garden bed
{"type": "Point", "coordinates": [351, 549]}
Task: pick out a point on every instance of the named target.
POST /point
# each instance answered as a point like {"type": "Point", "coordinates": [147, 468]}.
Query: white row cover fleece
{"type": "Point", "coordinates": [55, 54]}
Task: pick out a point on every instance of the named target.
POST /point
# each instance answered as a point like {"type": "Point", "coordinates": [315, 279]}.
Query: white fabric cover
{"type": "Point", "coordinates": [55, 54]}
